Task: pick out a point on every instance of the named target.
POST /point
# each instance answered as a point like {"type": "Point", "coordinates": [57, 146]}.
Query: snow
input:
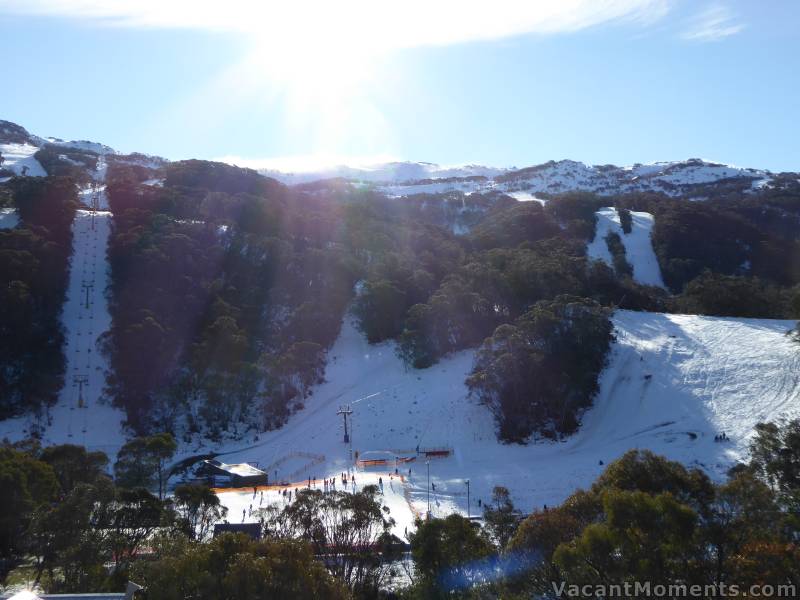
{"type": "Point", "coordinates": [91, 192]}
{"type": "Point", "coordinates": [91, 421]}
{"type": "Point", "coordinates": [527, 197]}
{"type": "Point", "coordinates": [242, 470]}
{"type": "Point", "coordinates": [18, 157]}
{"type": "Point", "coordinates": [638, 244]}
{"type": "Point", "coordinates": [387, 172]}
{"type": "Point", "coordinates": [96, 425]}
{"type": "Point", "coordinates": [400, 190]}
{"type": "Point", "coordinates": [672, 383]}
{"type": "Point", "coordinates": [85, 145]}
{"type": "Point", "coordinates": [670, 178]}
{"type": "Point", "coordinates": [8, 218]}
{"type": "Point", "coordinates": [673, 178]}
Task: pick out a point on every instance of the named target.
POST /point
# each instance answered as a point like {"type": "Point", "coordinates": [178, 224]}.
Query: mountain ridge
{"type": "Point", "coordinates": [693, 177]}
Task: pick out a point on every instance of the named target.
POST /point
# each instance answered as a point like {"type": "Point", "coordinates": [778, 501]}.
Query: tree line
{"type": "Point", "coordinates": [67, 526]}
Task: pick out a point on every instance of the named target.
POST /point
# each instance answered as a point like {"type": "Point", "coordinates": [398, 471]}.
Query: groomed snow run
{"type": "Point", "coordinates": [82, 414]}
{"type": "Point", "coordinates": [638, 244]}
{"type": "Point", "coordinates": [673, 382]}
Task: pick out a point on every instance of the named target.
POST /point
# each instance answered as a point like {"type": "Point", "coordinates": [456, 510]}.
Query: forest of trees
{"type": "Point", "coordinates": [69, 527]}
{"type": "Point", "coordinates": [539, 372]}
{"type": "Point", "coordinates": [34, 270]}
{"type": "Point", "coordinates": [742, 246]}
{"type": "Point", "coordinates": [228, 288]}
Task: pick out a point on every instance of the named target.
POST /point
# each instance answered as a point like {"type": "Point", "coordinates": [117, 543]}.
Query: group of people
{"type": "Point", "coordinates": [722, 437]}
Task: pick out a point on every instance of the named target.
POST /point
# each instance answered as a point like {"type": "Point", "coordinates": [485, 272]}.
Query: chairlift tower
{"type": "Point", "coordinates": [87, 286]}
{"type": "Point", "coordinates": [345, 411]}
{"type": "Point", "coordinates": [80, 381]}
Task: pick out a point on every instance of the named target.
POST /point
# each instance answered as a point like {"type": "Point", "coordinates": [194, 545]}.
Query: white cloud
{"type": "Point", "coordinates": [378, 24]}
{"type": "Point", "coordinates": [715, 23]}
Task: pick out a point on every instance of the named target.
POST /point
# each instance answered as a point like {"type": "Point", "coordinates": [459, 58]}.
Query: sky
{"type": "Point", "coordinates": [501, 83]}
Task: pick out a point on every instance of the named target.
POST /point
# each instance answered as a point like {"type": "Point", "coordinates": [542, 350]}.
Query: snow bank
{"type": "Point", "coordinates": [638, 244]}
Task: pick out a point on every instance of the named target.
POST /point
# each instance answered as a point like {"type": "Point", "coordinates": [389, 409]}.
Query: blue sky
{"type": "Point", "coordinates": [500, 83]}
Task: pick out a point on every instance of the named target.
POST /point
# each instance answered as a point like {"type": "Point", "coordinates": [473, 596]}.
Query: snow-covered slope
{"type": "Point", "coordinates": [18, 147]}
{"type": "Point", "coordinates": [82, 415]}
{"type": "Point", "coordinates": [638, 244]}
{"type": "Point", "coordinates": [19, 159]}
{"type": "Point", "coordinates": [390, 172]}
{"type": "Point", "coordinates": [671, 178]}
{"type": "Point", "coordinates": [673, 382]}
{"type": "Point", "coordinates": [94, 147]}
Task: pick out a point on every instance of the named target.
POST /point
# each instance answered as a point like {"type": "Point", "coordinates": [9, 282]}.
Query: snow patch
{"type": "Point", "coordinates": [19, 159]}
{"type": "Point", "coordinates": [638, 244]}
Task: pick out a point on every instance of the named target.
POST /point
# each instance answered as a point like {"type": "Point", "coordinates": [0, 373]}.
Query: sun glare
{"type": "Point", "coordinates": [321, 77]}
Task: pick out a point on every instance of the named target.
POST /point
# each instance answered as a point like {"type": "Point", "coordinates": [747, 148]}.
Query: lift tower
{"type": "Point", "coordinates": [80, 381]}
{"type": "Point", "coordinates": [345, 411]}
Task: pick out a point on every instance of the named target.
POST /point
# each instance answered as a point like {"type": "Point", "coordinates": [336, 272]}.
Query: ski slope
{"type": "Point", "coordinates": [19, 159]}
{"type": "Point", "coordinates": [673, 382]}
{"type": "Point", "coordinates": [82, 414]}
{"type": "Point", "coordinates": [638, 244]}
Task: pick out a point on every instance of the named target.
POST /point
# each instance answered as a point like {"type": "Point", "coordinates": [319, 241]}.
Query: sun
{"type": "Point", "coordinates": [322, 76]}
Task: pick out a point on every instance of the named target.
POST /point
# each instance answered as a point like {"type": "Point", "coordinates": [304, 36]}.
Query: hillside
{"type": "Point", "coordinates": [238, 312]}
{"type": "Point", "coordinates": [673, 382]}
{"type": "Point", "coordinates": [694, 177]}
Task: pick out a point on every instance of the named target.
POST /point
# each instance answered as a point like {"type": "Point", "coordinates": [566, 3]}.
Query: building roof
{"type": "Point", "coordinates": [241, 469]}
{"type": "Point", "coordinates": [251, 529]}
